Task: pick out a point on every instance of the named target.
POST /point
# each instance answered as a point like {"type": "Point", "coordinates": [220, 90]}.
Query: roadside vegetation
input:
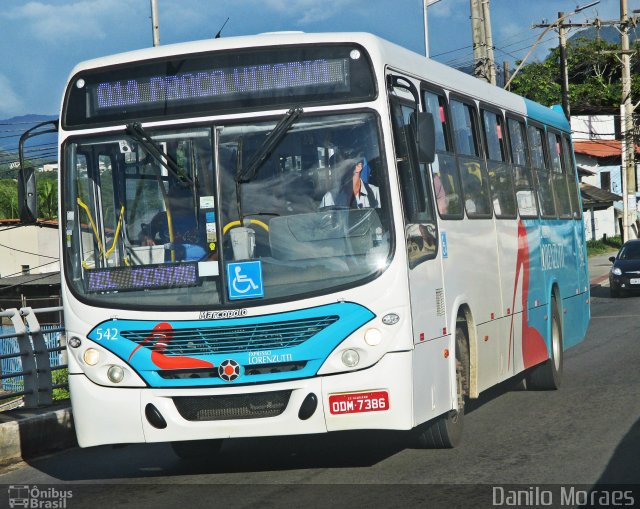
{"type": "Point", "coordinates": [604, 245]}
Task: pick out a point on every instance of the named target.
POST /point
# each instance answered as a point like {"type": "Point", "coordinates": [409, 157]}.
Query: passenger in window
{"type": "Point", "coordinates": [441, 194]}
{"type": "Point", "coordinates": [354, 190]}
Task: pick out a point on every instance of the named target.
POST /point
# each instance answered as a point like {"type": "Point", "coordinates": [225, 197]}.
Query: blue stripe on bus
{"type": "Point", "coordinates": [147, 358]}
{"type": "Point", "coordinates": [553, 260]}
{"type": "Point", "coordinates": [549, 116]}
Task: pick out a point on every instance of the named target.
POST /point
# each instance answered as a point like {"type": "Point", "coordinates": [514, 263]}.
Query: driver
{"type": "Point", "coordinates": [186, 235]}
{"type": "Point", "coordinates": [354, 190]}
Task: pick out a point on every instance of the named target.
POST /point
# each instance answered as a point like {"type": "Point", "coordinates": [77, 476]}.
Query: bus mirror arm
{"type": "Point", "coordinates": [425, 137]}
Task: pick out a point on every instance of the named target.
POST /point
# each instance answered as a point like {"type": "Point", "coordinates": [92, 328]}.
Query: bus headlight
{"type": "Point", "coordinates": [373, 337]}
{"type": "Point", "coordinates": [350, 358]}
{"type": "Point", "coordinates": [115, 374]}
{"type": "Point", "coordinates": [91, 356]}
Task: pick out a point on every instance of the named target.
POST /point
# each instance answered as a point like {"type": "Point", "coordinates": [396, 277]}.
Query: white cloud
{"type": "Point", "coordinates": [308, 11]}
{"type": "Point", "coordinates": [449, 9]}
{"type": "Point", "coordinates": [76, 20]}
{"type": "Point", "coordinates": [10, 103]}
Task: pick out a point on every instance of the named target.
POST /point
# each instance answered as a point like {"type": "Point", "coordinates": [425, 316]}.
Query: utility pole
{"type": "Point", "coordinates": [505, 70]}
{"type": "Point", "coordinates": [490, 64]}
{"type": "Point", "coordinates": [426, 4]}
{"type": "Point", "coordinates": [549, 26]}
{"type": "Point", "coordinates": [479, 41]}
{"type": "Point", "coordinates": [628, 166]}
{"type": "Point", "coordinates": [155, 26]}
{"type": "Point", "coordinates": [484, 65]}
{"type": "Point", "coordinates": [564, 73]}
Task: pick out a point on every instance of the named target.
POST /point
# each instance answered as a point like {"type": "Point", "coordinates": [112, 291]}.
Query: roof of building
{"type": "Point", "coordinates": [47, 223]}
{"type": "Point", "coordinates": [600, 148]}
{"type": "Point", "coordinates": [44, 279]}
{"type": "Point", "coordinates": [597, 198]}
{"type": "Point", "coordinates": [585, 172]}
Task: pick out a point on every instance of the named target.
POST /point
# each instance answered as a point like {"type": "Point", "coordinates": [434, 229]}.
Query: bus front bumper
{"type": "Point", "coordinates": [379, 397]}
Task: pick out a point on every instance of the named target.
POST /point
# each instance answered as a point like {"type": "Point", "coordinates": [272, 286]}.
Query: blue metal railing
{"type": "Point", "coordinates": [29, 354]}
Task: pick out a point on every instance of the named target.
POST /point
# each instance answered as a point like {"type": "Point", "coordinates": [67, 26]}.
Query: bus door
{"type": "Point", "coordinates": [421, 235]}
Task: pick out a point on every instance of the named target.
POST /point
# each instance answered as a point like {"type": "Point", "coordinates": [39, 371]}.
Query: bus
{"type": "Point", "coordinates": [295, 233]}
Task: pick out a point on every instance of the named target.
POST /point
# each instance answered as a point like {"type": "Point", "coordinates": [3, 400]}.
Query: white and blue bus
{"type": "Point", "coordinates": [301, 233]}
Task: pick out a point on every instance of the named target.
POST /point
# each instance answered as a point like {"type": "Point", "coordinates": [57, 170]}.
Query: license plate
{"type": "Point", "coordinates": [635, 281]}
{"type": "Point", "coordinates": [357, 402]}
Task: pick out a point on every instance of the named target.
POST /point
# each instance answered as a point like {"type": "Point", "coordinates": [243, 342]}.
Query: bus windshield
{"type": "Point", "coordinates": [171, 216]}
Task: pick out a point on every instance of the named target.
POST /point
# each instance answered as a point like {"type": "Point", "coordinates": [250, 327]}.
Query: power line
{"type": "Point", "coordinates": [31, 268]}
{"type": "Point", "coordinates": [28, 252]}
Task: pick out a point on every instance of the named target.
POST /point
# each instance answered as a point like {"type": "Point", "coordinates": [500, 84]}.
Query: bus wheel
{"type": "Point", "coordinates": [197, 449]}
{"type": "Point", "coordinates": [548, 375]}
{"type": "Point", "coordinates": [445, 431]}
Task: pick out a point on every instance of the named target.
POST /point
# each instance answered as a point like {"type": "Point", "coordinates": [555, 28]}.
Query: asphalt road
{"type": "Point", "coordinates": [585, 434]}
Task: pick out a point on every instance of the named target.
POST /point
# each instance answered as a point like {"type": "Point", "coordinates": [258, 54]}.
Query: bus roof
{"type": "Point", "coordinates": [380, 50]}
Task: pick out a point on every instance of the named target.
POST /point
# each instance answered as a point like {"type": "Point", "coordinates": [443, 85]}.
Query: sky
{"type": "Point", "coordinates": [42, 40]}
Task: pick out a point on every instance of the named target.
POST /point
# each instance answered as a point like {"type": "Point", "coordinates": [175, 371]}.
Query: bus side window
{"type": "Point", "coordinates": [421, 234]}
{"type": "Point", "coordinates": [572, 183]}
{"type": "Point", "coordinates": [545, 187]}
{"type": "Point", "coordinates": [415, 192]}
{"type": "Point", "coordinates": [500, 174]}
{"type": "Point", "coordinates": [559, 175]}
{"type": "Point", "coordinates": [525, 197]}
{"type": "Point", "coordinates": [471, 167]}
{"type": "Point", "coordinates": [446, 183]}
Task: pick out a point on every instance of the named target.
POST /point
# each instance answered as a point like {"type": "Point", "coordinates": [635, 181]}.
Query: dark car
{"type": "Point", "coordinates": [624, 276]}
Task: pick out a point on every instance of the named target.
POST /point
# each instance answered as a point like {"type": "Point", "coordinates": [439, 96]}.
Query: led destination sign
{"type": "Point", "coordinates": [192, 85]}
{"type": "Point", "coordinates": [219, 82]}
{"type": "Point", "coordinates": [142, 277]}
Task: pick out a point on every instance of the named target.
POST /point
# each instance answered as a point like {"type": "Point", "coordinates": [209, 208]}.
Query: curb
{"type": "Point", "coordinates": [597, 281]}
{"type": "Point", "coordinates": [28, 437]}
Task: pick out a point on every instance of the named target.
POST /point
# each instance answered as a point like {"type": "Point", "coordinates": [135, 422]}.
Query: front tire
{"type": "Point", "coordinates": [445, 432]}
{"type": "Point", "coordinates": [548, 375]}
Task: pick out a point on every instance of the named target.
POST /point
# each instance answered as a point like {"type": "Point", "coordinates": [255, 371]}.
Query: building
{"type": "Point", "coordinates": [28, 249]}
{"type": "Point", "coordinates": [29, 264]}
{"type": "Point", "coordinates": [597, 146]}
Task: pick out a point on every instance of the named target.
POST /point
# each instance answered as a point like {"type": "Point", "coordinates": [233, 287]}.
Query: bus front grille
{"type": "Point", "coordinates": [240, 406]}
{"type": "Point", "coordinates": [229, 339]}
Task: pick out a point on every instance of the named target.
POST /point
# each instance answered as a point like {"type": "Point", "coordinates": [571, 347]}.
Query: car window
{"type": "Point", "coordinates": [630, 252]}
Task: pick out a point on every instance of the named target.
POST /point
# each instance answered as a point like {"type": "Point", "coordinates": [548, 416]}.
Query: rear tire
{"type": "Point", "coordinates": [445, 432]}
{"type": "Point", "coordinates": [197, 449]}
{"type": "Point", "coordinates": [548, 375]}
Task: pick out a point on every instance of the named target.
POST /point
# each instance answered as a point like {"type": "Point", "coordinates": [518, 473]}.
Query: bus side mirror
{"type": "Point", "coordinates": [27, 195]}
{"type": "Point", "coordinates": [425, 136]}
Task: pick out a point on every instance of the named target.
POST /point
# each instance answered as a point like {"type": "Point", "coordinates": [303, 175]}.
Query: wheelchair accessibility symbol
{"type": "Point", "coordinates": [245, 280]}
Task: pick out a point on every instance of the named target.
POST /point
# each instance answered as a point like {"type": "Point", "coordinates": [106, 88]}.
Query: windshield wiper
{"type": "Point", "coordinates": [269, 144]}
{"type": "Point", "coordinates": [137, 132]}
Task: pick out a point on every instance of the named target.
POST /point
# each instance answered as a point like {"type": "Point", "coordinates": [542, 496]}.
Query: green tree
{"type": "Point", "coordinates": [8, 199]}
{"type": "Point", "coordinates": [47, 198]}
{"type": "Point", "coordinates": [594, 77]}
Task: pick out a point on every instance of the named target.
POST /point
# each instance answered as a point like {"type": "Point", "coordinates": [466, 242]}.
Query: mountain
{"type": "Point", "coordinates": [608, 34]}
{"type": "Point", "coordinates": [40, 149]}
{"type": "Point", "coordinates": [31, 118]}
